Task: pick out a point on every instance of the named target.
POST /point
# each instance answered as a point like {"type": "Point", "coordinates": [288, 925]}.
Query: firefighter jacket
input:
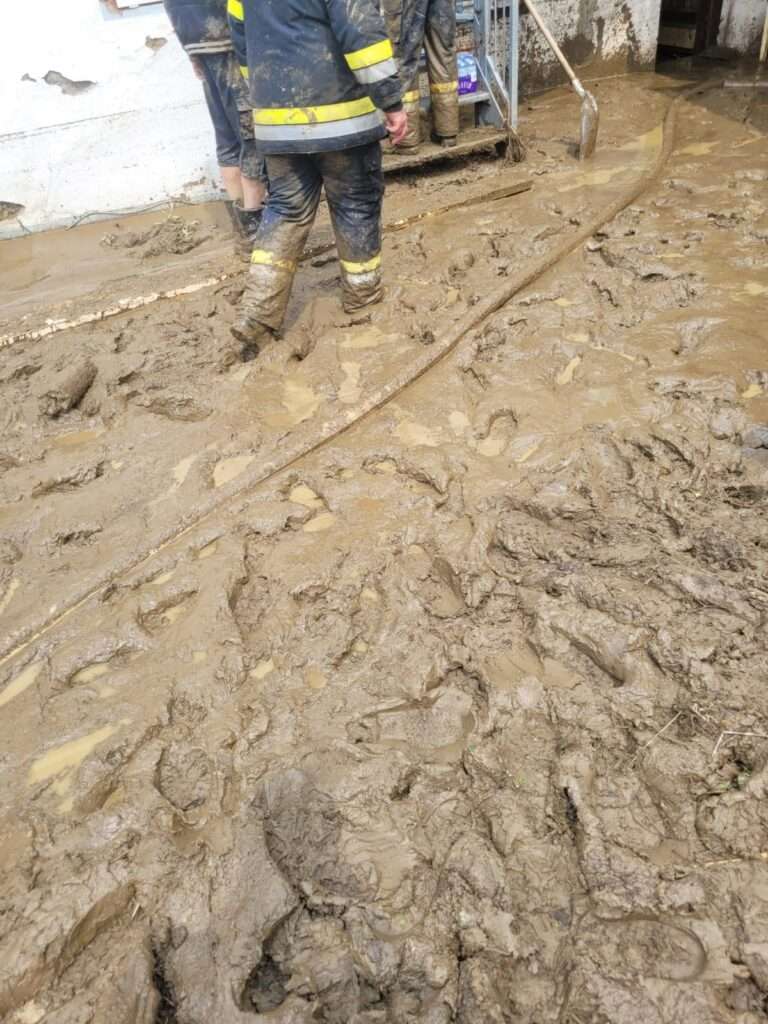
{"type": "Point", "coordinates": [201, 25]}
{"type": "Point", "coordinates": [319, 72]}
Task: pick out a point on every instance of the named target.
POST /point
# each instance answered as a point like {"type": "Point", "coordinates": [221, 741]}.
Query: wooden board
{"type": "Point", "coordinates": [474, 140]}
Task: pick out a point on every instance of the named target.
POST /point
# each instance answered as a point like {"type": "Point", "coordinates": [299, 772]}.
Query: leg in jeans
{"type": "Point", "coordinates": [354, 187]}
{"type": "Point", "coordinates": [440, 44]}
{"type": "Point", "coordinates": [241, 168]}
{"type": "Point", "coordinates": [214, 68]}
{"type": "Point", "coordinates": [294, 195]}
{"type": "Point", "coordinates": [252, 169]}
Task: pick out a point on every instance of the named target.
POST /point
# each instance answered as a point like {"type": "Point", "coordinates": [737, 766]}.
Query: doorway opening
{"type": "Point", "coordinates": [688, 27]}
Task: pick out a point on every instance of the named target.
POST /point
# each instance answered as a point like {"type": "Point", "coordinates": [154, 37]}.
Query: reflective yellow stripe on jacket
{"type": "Point", "coordinates": [334, 120]}
{"type": "Point", "coordinates": [373, 63]}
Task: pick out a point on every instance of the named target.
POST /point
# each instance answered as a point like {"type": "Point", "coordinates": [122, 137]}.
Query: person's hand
{"type": "Point", "coordinates": [197, 68]}
{"type": "Point", "coordinates": [397, 125]}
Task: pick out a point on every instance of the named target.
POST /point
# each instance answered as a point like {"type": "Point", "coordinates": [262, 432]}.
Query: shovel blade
{"type": "Point", "coordinates": [590, 121]}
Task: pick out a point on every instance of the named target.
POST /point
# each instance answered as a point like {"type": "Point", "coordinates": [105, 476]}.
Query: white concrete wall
{"type": "Point", "coordinates": [741, 24]}
{"type": "Point", "coordinates": [139, 136]}
{"type": "Point", "coordinates": [598, 36]}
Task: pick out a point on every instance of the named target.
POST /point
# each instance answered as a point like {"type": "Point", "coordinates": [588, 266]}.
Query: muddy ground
{"type": "Point", "coordinates": [460, 717]}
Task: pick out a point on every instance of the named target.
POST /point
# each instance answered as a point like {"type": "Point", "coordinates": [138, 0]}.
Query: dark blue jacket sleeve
{"type": "Point", "coordinates": [359, 28]}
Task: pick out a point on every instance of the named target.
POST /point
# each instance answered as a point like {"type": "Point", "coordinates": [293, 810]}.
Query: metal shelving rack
{"type": "Point", "coordinates": [496, 32]}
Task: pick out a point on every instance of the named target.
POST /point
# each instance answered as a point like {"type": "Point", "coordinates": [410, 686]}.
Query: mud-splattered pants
{"type": "Point", "coordinates": [354, 188]}
{"type": "Point", "coordinates": [431, 25]}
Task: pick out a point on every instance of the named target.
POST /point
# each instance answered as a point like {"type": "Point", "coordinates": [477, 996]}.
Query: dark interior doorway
{"type": "Point", "coordinates": [688, 27]}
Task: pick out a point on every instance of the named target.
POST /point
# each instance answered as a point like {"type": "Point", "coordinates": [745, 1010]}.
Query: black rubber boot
{"type": "Point", "coordinates": [246, 224]}
{"type": "Point", "coordinates": [252, 335]}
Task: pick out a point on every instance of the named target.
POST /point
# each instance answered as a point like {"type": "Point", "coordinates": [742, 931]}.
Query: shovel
{"type": "Point", "coordinates": [590, 115]}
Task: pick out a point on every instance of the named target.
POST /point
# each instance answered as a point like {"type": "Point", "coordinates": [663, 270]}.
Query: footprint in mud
{"type": "Point", "coordinates": [350, 389]}
{"type": "Point", "coordinates": [159, 616]}
{"type": "Point", "coordinates": [320, 523]}
{"type": "Point", "coordinates": [181, 470]}
{"type": "Point", "coordinates": [59, 766]}
{"type": "Point", "coordinates": [228, 469]}
{"type": "Point", "coordinates": [640, 945]}
{"type": "Point", "coordinates": [21, 682]}
{"type": "Point", "coordinates": [207, 550]}
{"type": "Point", "coordinates": [323, 520]}
{"type": "Point", "coordinates": [90, 673]}
{"type": "Point", "coordinates": [7, 596]}
{"type": "Point", "coordinates": [434, 731]}
{"type": "Point", "coordinates": [415, 434]}
{"type": "Point", "coordinates": [301, 494]}
{"type": "Point", "coordinates": [299, 403]}
{"type": "Point", "coordinates": [366, 338]}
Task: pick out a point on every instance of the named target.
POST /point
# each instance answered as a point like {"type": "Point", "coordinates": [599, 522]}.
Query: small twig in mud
{"type": "Point", "coordinates": [661, 732]}
{"type": "Point", "coordinates": [728, 732]}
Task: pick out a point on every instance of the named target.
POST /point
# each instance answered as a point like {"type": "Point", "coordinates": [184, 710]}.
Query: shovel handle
{"type": "Point", "coordinates": [555, 48]}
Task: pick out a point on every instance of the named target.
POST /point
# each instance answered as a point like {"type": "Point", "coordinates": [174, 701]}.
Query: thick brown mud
{"type": "Point", "coordinates": [463, 716]}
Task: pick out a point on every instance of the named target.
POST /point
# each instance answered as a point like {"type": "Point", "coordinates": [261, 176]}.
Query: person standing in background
{"type": "Point", "coordinates": [430, 25]}
{"type": "Point", "coordinates": [203, 30]}
{"type": "Point", "coordinates": [325, 91]}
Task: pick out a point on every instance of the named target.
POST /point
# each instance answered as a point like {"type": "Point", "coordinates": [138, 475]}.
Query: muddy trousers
{"type": "Point", "coordinates": [430, 25]}
{"type": "Point", "coordinates": [354, 188]}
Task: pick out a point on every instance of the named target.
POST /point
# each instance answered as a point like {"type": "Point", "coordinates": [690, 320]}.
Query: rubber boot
{"type": "Point", "coordinates": [246, 224]}
{"type": "Point", "coordinates": [252, 335]}
{"type": "Point", "coordinates": [412, 108]}
{"type": "Point", "coordinates": [359, 290]}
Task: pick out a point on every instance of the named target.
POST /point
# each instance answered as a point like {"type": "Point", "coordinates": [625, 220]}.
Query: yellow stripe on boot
{"type": "Point", "coordinates": [362, 268]}
{"type": "Point", "coordinates": [263, 258]}
{"type": "Point", "coordinates": [440, 87]}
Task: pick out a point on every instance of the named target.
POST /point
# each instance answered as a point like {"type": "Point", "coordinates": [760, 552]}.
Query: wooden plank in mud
{"type": "Point", "coordinates": [474, 140]}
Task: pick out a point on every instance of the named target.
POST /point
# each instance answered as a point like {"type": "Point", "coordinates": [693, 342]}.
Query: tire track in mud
{"type": "Point", "coordinates": [340, 425]}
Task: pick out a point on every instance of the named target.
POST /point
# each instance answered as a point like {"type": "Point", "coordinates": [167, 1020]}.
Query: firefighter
{"type": "Point", "coordinates": [203, 31]}
{"type": "Point", "coordinates": [430, 25]}
{"type": "Point", "coordinates": [325, 91]}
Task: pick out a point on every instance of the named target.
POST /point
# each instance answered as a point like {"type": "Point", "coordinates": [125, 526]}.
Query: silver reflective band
{"type": "Point", "coordinates": [318, 130]}
{"type": "Point", "coordinates": [376, 73]}
{"type": "Point", "coordinates": [366, 280]}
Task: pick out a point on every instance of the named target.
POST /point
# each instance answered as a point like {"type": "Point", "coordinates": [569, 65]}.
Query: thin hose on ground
{"type": "Point", "coordinates": [343, 423]}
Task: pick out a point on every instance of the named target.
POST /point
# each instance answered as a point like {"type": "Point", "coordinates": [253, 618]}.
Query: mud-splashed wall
{"type": "Point", "coordinates": [98, 112]}
{"type": "Point", "coordinates": [741, 24]}
{"type": "Point", "coordinates": [599, 36]}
